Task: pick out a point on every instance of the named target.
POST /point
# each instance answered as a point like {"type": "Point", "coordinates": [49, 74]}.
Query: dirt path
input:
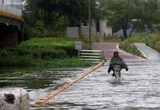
{"type": "Point", "coordinates": [109, 48]}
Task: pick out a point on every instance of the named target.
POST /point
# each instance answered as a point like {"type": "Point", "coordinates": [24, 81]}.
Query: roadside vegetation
{"type": "Point", "coordinates": [53, 52]}
{"type": "Point", "coordinates": [150, 39]}
{"type": "Point", "coordinates": [110, 38]}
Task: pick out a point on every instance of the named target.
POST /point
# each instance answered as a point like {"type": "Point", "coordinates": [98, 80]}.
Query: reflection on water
{"type": "Point", "coordinates": [138, 89]}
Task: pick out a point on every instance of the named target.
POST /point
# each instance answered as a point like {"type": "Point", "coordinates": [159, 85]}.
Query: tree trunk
{"type": "Point", "coordinates": [131, 32]}
{"type": "Point", "coordinates": [125, 32]}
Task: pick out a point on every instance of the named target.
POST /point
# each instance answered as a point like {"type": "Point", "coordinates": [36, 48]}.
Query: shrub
{"type": "Point", "coordinates": [48, 53]}
{"type": "Point", "coordinates": [16, 60]}
{"type": "Point", "coordinates": [67, 45]}
{"type": "Point", "coordinates": [150, 39]}
{"type": "Point", "coordinates": [39, 25]}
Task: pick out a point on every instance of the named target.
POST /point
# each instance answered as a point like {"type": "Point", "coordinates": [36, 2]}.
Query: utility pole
{"type": "Point", "coordinates": [11, 2]}
{"type": "Point", "coordinates": [89, 20]}
{"type": "Point", "coordinates": [2, 1]}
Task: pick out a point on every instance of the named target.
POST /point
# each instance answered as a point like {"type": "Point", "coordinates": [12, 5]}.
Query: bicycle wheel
{"type": "Point", "coordinates": [117, 74]}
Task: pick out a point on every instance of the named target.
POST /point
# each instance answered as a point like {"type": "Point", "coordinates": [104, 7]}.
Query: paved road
{"type": "Point", "coordinates": [149, 53]}
{"type": "Point", "coordinates": [109, 48]}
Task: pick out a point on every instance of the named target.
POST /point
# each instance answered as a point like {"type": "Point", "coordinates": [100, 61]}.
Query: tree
{"type": "Point", "coordinates": [45, 10]}
{"type": "Point", "coordinates": [50, 11]}
{"type": "Point", "coordinates": [130, 13]}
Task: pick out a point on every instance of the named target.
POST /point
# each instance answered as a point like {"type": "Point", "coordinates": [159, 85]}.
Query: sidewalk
{"type": "Point", "coordinates": [109, 48]}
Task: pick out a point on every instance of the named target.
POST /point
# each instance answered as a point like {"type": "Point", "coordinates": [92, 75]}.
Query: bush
{"type": "Point", "coordinates": [12, 59]}
{"type": "Point", "coordinates": [39, 25]}
{"type": "Point", "coordinates": [51, 44]}
{"type": "Point", "coordinates": [114, 38]}
{"type": "Point", "coordinates": [150, 39]}
{"type": "Point", "coordinates": [42, 51]}
{"type": "Point", "coordinates": [48, 53]}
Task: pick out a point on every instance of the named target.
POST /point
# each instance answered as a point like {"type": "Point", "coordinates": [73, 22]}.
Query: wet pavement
{"type": "Point", "coordinates": [109, 48]}
{"type": "Point", "coordinates": [149, 53]}
{"type": "Point", "coordinates": [138, 89]}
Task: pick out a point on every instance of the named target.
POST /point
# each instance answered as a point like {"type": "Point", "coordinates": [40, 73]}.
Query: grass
{"type": "Point", "coordinates": [113, 39]}
{"type": "Point", "coordinates": [150, 39]}
{"type": "Point", "coordinates": [50, 63]}
{"type": "Point", "coordinates": [52, 43]}
{"type": "Point", "coordinates": [54, 52]}
{"type": "Point", "coordinates": [68, 62]}
{"type": "Point", "coordinates": [94, 38]}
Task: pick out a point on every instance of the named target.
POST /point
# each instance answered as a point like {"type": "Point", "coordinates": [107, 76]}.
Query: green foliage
{"type": "Point", "coordinates": [50, 11]}
{"type": "Point", "coordinates": [41, 32]}
{"type": "Point", "coordinates": [128, 46]}
{"type": "Point", "coordinates": [49, 45]}
{"type": "Point", "coordinates": [9, 58]}
{"type": "Point", "coordinates": [27, 31]}
{"type": "Point", "coordinates": [41, 52]}
{"type": "Point", "coordinates": [40, 65]}
{"type": "Point", "coordinates": [133, 14]}
{"type": "Point", "coordinates": [39, 25]}
{"type": "Point", "coordinates": [110, 38]}
{"type": "Point", "coordinates": [62, 23]}
{"type": "Point", "coordinates": [70, 62]}
{"type": "Point", "coordinates": [150, 39]}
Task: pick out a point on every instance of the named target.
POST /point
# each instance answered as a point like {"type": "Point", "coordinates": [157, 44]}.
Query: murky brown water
{"type": "Point", "coordinates": [138, 89]}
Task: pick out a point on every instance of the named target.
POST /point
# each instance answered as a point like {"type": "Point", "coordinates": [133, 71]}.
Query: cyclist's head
{"type": "Point", "coordinates": [116, 53]}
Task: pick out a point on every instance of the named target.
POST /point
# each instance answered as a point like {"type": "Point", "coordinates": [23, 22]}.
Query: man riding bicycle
{"type": "Point", "coordinates": [117, 60]}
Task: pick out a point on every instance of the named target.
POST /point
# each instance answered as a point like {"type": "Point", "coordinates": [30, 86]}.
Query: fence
{"type": "Point", "coordinates": [10, 12]}
{"type": "Point", "coordinates": [91, 55]}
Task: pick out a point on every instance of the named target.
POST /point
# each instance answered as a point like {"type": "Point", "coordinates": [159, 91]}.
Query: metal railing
{"type": "Point", "coordinates": [10, 12]}
{"type": "Point", "coordinates": [91, 55]}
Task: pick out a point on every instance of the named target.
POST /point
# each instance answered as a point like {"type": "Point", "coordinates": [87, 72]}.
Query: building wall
{"type": "Point", "coordinates": [104, 29]}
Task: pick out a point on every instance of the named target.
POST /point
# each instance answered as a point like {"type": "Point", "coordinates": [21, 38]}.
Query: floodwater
{"type": "Point", "coordinates": [138, 89]}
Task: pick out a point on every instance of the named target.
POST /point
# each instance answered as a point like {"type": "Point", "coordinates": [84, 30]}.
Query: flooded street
{"type": "Point", "coordinates": [138, 89]}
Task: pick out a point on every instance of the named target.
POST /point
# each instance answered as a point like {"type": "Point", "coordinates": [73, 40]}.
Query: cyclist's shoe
{"type": "Point", "coordinates": [113, 74]}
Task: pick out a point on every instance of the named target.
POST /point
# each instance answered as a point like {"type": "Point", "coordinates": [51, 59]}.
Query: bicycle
{"type": "Point", "coordinates": [117, 71]}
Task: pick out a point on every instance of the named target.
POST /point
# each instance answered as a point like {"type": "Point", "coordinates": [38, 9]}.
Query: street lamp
{"type": "Point", "coordinates": [89, 20]}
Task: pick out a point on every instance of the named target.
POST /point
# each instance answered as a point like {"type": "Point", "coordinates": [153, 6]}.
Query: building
{"type": "Point", "coordinates": [19, 4]}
